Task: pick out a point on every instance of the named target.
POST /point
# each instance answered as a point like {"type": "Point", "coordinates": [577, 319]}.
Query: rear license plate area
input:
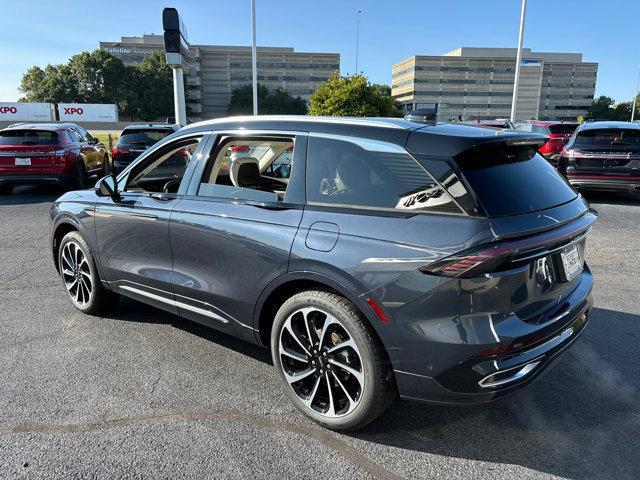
{"type": "Point", "coordinates": [23, 162]}
{"type": "Point", "coordinates": [570, 262]}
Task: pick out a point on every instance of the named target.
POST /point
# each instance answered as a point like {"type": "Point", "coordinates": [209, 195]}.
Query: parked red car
{"type": "Point", "coordinates": [558, 133]}
{"type": "Point", "coordinates": [39, 153]}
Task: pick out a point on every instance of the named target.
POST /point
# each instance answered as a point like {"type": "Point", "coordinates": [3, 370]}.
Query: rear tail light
{"type": "Point", "coordinates": [470, 263]}
{"type": "Point", "coordinates": [60, 154]}
{"type": "Point", "coordinates": [571, 155]}
{"type": "Point", "coordinates": [500, 256]}
{"type": "Point", "coordinates": [116, 152]}
{"type": "Point", "coordinates": [182, 153]}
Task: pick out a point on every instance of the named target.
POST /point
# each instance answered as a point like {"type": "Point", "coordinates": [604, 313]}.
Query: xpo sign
{"type": "Point", "coordinates": [87, 112]}
{"type": "Point", "coordinates": [21, 112]}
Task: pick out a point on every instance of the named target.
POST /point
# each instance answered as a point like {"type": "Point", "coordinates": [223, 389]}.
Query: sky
{"type": "Point", "coordinates": [38, 32]}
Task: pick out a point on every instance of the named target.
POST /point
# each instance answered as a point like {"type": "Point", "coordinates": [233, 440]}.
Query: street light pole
{"type": "Point", "coordinates": [358, 13]}
{"type": "Point", "coordinates": [254, 60]}
{"type": "Point", "coordinates": [516, 80]}
{"type": "Point", "coordinates": [635, 95]}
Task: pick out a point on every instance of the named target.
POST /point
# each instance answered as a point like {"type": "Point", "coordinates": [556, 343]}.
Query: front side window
{"type": "Point", "coordinates": [255, 169]}
{"type": "Point", "coordinates": [370, 174]}
{"type": "Point", "coordinates": [163, 170]}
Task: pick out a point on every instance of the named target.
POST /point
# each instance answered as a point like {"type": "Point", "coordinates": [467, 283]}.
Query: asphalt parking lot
{"type": "Point", "coordinates": [143, 394]}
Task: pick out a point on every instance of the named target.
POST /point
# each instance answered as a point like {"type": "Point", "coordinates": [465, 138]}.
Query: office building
{"type": "Point", "coordinates": [477, 83]}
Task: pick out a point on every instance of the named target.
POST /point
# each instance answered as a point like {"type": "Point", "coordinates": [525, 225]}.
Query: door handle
{"type": "Point", "coordinates": [161, 196]}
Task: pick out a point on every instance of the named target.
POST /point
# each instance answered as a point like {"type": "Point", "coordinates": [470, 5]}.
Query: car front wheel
{"type": "Point", "coordinates": [332, 364]}
{"type": "Point", "coordinates": [80, 276]}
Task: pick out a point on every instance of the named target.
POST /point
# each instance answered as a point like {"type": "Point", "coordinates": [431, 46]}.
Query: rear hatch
{"type": "Point", "coordinates": [539, 221]}
{"type": "Point", "coordinates": [608, 151]}
{"type": "Point", "coordinates": [135, 141]}
{"type": "Point", "coordinates": [27, 151]}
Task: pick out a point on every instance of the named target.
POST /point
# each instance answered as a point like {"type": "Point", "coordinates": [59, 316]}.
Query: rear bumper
{"type": "Point", "coordinates": [481, 379]}
{"type": "Point", "coordinates": [603, 182]}
{"type": "Point", "coordinates": [36, 179]}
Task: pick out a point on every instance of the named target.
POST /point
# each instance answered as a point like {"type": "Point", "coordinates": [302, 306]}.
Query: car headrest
{"type": "Point", "coordinates": [245, 172]}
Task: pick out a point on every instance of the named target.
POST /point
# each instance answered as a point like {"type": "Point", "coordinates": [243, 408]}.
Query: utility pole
{"type": "Point", "coordinates": [516, 80]}
{"type": "Point", "coordinates": [635, 96]}
{"type": "Point", "coordinates": [254, 59]}
{"type": "Point", "coordinates": [176, 46]}
{"type": "Point", "coordinates": [358, 13]}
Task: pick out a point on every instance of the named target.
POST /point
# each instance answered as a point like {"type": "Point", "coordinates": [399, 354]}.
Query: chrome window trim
{"type": "Point", "coordinates": [306, 119]}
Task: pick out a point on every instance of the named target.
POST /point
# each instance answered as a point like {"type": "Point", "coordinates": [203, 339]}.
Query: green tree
{"type": "Point", "coordinates": [143, 91]}
{"type": "Point", "coordinates": [152, 95]}
{"type": "Point", "coordinates": [275, 102]}
{"type": "Point", "coordinates": [353, 96]}
{"type": "Point", "coordinates": [601, 109]}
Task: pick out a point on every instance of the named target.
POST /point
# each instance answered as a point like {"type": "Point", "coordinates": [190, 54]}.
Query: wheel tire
{"type": "Point", "coordinates": [80, 179]}
{"type": "Point", "coordinates": [6, 189]}
{"type": "Point", "coordinates": [377, 389]}
{"type": "Point", "coordinates": [91, 298]}
{"type": "Point", "coordinates": [105, 166]}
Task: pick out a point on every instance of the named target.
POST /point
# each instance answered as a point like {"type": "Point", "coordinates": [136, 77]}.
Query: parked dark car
{"type": "Point", "coordinates": [442, 262]}
{"type": "Point", "coordinates": [603, 156]}
{"type": "Point", "coordinates": [44, 153]}
{"type": "Point", "coordinates": [135, 139]}
{"type": "Point", "coordinates": [557, 132]}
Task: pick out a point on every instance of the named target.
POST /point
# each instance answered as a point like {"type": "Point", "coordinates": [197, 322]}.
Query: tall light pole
{"type": "Point", "coordinates": [635, 95]}
{"type": "Point", "coordinates": [516, 80]}
{"type": "Point", "coordinates": [254, 59]}
{"type": "Point", "coordinates": [358, 13]}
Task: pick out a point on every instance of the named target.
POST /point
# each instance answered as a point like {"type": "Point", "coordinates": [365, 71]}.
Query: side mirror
{"type": "Point", "coordinates": [107, 187]}
{"type": "Point", "coordinates": [93, 141]}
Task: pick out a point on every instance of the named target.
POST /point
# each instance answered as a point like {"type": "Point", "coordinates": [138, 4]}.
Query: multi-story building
{"type": "Point", "coordinates": [214, 71]}
{"type": "Point", "coordinates": [477, 83]}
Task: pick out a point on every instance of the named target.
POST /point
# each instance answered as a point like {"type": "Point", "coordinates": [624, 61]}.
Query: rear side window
{"type": "Point", "coordinates": [352, 172]}
{"type": "Point", "coordinates": [609, 137]}
{"type": "Point", "coordinates": [28, 137]}
{"type": "Point", "coordinates": [513, 180]}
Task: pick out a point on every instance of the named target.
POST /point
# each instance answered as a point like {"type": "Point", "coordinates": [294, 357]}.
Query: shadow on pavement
{"type": "Point", "coordinates": [32, 195]}
{"type": "Point", "coordinates": [133, 311]}
{"type": "Point", "coordinates": [612, 198]}
{"type": "Point", "coordinates": [582, 420]}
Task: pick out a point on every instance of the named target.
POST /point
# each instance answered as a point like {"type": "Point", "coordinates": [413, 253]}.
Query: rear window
{"type": "Point", "coordinates": [513, 180]}
{"type": "Point", "coordinates": [563, 128]}
{"type": "Point", "coordinates": [143, 136]}
{"type": "Point", "coordinates": [28, 137]}
{"type": "Point", "coordinates": [610, 137]}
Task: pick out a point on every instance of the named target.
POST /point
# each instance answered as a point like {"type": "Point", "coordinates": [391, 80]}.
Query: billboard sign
{"type": "Point", "coordinates": [26, 112]}
{"type": "Point", "coordinates": [531, 63]}
{"type": "Point", "coordinates": [87, 112]}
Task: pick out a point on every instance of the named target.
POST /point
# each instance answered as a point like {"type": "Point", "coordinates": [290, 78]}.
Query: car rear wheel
{"type": "Point", "coordinates": [80, 276]}
{"type": "Point", "coordinates": [80, 177]}
{"type": "Point", "coordinates": [331, 362]}
{"type": "Point", "coordinates": [105, 165]}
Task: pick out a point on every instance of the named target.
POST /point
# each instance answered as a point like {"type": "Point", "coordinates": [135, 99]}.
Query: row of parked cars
{"type": "Point", "coordinates": [602, 155]}
{"type": "Point", "coordinates": [593, 155]}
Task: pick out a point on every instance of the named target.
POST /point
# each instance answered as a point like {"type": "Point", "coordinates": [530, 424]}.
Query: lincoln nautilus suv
{"type": "Point", "coordinates": [374, 257]}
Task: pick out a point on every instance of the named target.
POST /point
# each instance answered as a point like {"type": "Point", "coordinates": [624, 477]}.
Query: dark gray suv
{"type": "Point", "coordinates": [373, 256]}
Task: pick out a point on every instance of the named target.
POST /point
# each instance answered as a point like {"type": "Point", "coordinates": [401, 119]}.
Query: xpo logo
{"type": "Point", "coordinates": [73, 111]}
{"type": "Point", "coordinates": [12, 110]}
